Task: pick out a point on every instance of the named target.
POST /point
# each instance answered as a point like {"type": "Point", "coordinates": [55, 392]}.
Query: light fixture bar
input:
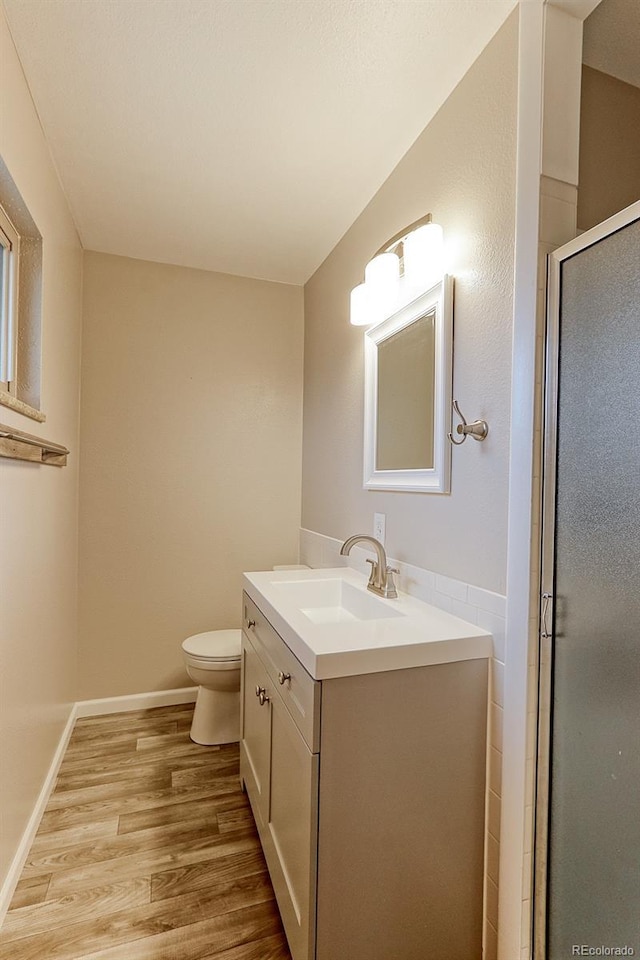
{"type": "Point", "coordinates": [397, 237]}
{"type": "Point", "coordinates": [406, 265]}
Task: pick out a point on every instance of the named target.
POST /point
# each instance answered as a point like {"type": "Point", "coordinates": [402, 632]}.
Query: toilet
{"type": "Point", "coordinates": [212, 660]}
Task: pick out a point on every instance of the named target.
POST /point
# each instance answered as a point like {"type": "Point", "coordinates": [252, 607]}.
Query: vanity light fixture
{"type": "Point", "coordinates": [405, 266]}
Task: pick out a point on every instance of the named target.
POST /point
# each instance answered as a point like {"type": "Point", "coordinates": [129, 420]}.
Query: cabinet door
{"type": "Point", "coordinates": [293, 819]}
{"type": "Point", "coordinates": [255, 753]}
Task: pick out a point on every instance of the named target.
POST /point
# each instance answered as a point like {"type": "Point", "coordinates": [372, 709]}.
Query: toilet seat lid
{"type": "Point", "coordinates": [214, 645]}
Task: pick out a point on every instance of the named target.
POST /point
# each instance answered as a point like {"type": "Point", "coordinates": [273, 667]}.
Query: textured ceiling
{"type": "Point", "coordinates": [237, 135]}
{"type": "Point", "coordinates": [612, 39]}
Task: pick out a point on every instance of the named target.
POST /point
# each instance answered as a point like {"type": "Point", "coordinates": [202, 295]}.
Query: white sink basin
{"type": "Point", "coordinates": [334, 600]}
{"type": "Point", "coordinates": [338, 628]}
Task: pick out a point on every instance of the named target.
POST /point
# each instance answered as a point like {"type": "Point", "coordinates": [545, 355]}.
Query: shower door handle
{"type": "Point", "coordinates": [545, 633]}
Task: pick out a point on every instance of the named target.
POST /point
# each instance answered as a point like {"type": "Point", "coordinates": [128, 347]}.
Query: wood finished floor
{"type": "Point", "coordinates": [147, 851]}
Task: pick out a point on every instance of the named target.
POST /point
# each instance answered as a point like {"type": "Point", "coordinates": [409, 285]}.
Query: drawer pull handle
{"type": "Point", "coordinates": [259, 690]}
{"type": "Point", "coordinates": [251, 623]}
{"type": "Point", "coordinates": [263, 697]}
{"type": "Point", "coordinates": [283, 677]}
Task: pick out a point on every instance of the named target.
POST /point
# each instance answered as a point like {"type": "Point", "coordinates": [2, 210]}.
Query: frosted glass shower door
{"type": "Point", "coordinates": [593, 812]}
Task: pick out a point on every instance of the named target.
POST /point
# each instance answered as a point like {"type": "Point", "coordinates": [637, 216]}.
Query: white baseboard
{"type": "Point", "coordinates": [136, 701]}
{"type": "Point", "coordinates": [84, 708]}
{"type": "Point", "coordinates": [15, 870]}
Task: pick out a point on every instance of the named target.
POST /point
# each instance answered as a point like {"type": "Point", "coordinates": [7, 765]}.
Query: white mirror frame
{"type": "Point", "coordinates": [437, 479]}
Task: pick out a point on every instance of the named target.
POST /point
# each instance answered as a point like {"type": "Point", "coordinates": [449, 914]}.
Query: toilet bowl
{"type": "Point", "coordinates": [212, 660]}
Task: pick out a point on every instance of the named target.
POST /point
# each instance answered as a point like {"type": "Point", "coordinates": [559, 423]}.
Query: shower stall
{"type": "Point", "coordinates": [587, 859]}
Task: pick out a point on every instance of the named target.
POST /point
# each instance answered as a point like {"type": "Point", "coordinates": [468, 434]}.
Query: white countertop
{"type": "Point", "coordinates": [416, 634]}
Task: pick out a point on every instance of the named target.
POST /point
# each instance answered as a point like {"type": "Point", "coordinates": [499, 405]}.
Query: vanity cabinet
{"type": "Point", "coordinates": [368, 795]}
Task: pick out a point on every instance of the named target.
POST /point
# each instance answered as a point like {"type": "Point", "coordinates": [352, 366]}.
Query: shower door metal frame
{"type": "Point", "coordinates": [547, 576]}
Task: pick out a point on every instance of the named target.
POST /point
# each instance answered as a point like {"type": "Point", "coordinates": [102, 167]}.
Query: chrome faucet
{"type": "Point", "coordinates": [381, 578]}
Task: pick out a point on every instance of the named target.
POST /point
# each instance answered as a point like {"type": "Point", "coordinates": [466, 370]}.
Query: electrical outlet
{"type": "Point", "coordinates": [379, 520]}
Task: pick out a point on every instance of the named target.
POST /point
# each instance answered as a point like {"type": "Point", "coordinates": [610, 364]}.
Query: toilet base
{"type": "Point", "coordinates": [216, 718]}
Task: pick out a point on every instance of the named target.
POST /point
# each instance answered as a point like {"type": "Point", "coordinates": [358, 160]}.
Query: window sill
{"type": "Point", "coordinates": [8, 400]}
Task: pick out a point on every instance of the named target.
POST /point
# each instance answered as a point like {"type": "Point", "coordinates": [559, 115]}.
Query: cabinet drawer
{"type": "Point", "coordinates": [299, 691]}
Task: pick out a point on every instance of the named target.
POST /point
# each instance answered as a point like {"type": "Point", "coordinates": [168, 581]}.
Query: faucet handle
{"type": "Point", "coordinates": [390, 586]}
{"type": "Point", "coordinates": [374, 570]}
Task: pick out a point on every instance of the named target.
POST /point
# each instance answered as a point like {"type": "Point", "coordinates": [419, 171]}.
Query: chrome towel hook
{"type": "Point", "coordinates": [478, 429]}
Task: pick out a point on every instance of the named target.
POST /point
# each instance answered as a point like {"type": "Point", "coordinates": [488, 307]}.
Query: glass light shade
{"type": "Point", "coordinates": [424, 257]}
{"type": "Point", "coordinates": [382, 277]}
{"type": "Point", "coordinates": [361, 315]}
{"type": "Point", "coordinates": [383, 271]}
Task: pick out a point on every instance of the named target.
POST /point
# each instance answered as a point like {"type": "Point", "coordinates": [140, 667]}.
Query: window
{"type": "Point", "coordinates": [20, 302]}
{"type": "Point", "coordinates": [9, 260]}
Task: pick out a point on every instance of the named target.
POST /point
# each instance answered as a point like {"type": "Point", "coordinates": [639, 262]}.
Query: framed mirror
{"type": "Point", "coordinates": [407, 408]}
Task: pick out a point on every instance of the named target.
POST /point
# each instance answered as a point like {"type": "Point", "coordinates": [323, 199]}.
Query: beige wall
{"type": "Point", "coordinates": [609, 147]}
{"type": "Point", "coordinates": [191, 452]}
{"type": "Point", "coordinates": [38, 505]}
{"type": "Point", "coordinates": [462, 170]}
